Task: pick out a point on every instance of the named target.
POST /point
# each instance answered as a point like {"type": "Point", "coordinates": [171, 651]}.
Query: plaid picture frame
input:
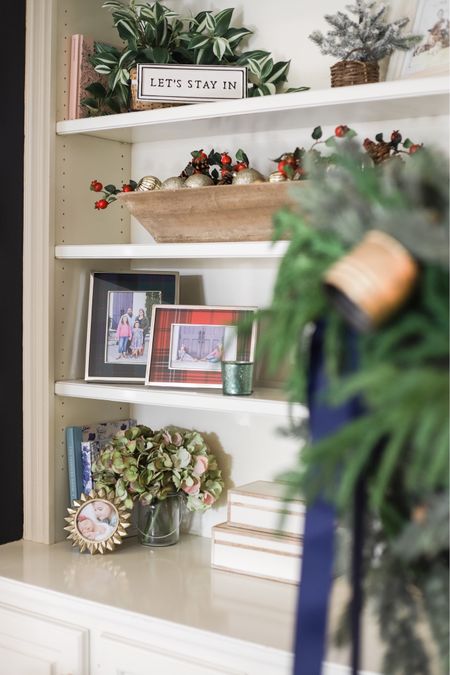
{"type": "Point", "coordinates": [186, 341]}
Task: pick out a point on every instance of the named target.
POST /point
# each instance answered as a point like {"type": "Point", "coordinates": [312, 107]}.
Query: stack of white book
{"type": "Point", "coordinates": [263, 535]}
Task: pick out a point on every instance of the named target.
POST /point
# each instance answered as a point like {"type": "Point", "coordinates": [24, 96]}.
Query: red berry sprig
{"type": "Point", "coordinates": [96, 186]}
{"type": "Point", "coordinates": [225, 159]}
{"type": "Point", "coordinates": [101, 204]}
{"type": "Point", "coordinates": [109, 192]}
{"type": "Point", "coordinates": [289, 164]}
{"type": "Point", "coordinates": [341, 131]}
{"type": "Point", "coordinates": [240, 166]}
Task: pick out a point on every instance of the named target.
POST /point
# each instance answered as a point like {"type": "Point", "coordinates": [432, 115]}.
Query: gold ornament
{"type": "Point", "coordinates": [173, 183]}
{"type": "Point", "coordinates": [148, 183]}
{"type": "Point", "coordinates": [247, 176]}
{"type": "Point", "coordinates": [372, 281]}
{"type": "Point", "coordinates": [198, 180]}
{"type": "Point", "coordinates": [277, 177]}
{"type": "Point", "coordinates": [97, 522]}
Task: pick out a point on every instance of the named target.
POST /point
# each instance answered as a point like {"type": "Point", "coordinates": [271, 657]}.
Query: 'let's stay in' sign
{"type": "Point", "coordinates": [190, 84]}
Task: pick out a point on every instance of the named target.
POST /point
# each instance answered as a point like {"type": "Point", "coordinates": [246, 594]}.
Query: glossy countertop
{"type": "Point", "coordinates": [174, 583]}
{"type": "Point", "coordinates": [177, 584]}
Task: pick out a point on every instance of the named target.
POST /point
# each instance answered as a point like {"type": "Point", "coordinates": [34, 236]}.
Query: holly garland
{"type": "Point", "coordinates": [400, 445]}
{"type": "Point", "coordinates": [218, 165]}
{"type": "Point", "coordinates": [221, 168]}
{"type": "Point", "coordinates": [291, 165]}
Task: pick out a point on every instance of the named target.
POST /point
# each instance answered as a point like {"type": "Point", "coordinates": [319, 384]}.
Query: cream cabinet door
{"type": "Point", "coordinates": [31, 644]}
{"type": "Point", "coordinates": [116, 656]}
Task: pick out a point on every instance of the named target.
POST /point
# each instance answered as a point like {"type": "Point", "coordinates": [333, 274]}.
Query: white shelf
{"type": "Point", "coordinates": [228, 250]}
{"type": "Point", "coordinates": [361, 103]}
{"type": "Point", "coordinates": [262, 401]}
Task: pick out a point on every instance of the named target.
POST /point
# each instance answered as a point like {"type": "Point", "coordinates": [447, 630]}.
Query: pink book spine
{"type": "Point", "coordinates": [74, 72]}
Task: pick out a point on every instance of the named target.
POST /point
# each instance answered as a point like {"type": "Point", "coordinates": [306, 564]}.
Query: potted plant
{"type": "Point", "coordinates": [163, 471]}
{"type": "Point", "coordinates": [397, 448]}
{"type": "Point", "coordinates": [152, 33]}
{"type": "Point", "coordinates": [360, 43]}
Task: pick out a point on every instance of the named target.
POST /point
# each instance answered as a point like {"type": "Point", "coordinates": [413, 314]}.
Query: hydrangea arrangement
{"type": "Point", "coordinates": [148, 465]}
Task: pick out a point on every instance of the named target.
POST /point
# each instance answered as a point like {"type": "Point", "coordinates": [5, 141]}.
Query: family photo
{"type": "Point", "coordinates": [97, 521]}
{"type": "Point", "coordinates": [128, 325]}
{"type": "Point", "coordinates": [201, 347]}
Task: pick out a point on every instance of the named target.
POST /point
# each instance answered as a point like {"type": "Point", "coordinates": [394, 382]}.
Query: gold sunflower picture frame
{"type": "Point", "coordinates": [97, 522]}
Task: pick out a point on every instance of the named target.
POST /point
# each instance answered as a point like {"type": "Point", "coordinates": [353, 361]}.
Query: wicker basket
{"type": "Point", "coordinates": [346, 73]}
{"type": "Point", "coordinates": [145, 105]}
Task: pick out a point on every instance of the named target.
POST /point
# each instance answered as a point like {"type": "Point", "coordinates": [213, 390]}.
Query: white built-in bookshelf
{"type": "Point", "coordinates": [65, 239]}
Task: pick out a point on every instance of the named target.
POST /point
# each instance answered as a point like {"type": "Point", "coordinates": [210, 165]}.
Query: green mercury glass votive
{"type": "Point", "coordinates": [237, 378]}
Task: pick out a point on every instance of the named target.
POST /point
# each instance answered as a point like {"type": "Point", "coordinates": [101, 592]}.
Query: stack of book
{"type": "Point", "coordinates": [263, 535]}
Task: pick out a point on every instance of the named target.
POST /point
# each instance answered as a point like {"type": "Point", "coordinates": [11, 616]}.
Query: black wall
{"type": "Point", "coordinates": [11, 219]}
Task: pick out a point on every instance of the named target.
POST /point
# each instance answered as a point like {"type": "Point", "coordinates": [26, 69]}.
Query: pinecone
{"type": "Point", "coordinates": [226, 179]}
{"type": "Point", "coordinates": [200, 165]}
{"type": "Point", "coordinates": [378, 152]}
{"type": "Point", "coordinates": [197, 165]}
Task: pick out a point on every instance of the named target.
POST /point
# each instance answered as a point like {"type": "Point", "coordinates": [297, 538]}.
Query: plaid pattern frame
{"type": "Point", "coordinates": [165, 316]}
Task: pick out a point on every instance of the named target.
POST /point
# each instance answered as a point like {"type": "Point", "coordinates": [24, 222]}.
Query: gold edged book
{"type": "Point", "coordinates": [259, 554]}
{"type": "Point", "coordinates": [261, 506]}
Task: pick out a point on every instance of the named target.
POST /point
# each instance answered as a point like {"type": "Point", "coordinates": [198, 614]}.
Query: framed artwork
{"type": "Point", "coordinates": [188, 343]}
{"type": "Point", "coordinates": [431, 55]}
{"type": "Point", "coordinates": [97, 522]}
{"type": "Point", "coordinates": [120, 310]}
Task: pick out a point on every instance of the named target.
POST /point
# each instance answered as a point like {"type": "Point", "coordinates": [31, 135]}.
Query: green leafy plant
{"type": "Point", "coordinates": [266, 76]}
{"type": "Point", "coordinates": [100, 100]}
{"type": "Point", "coordinates": [399, 445]}
{"type": "Point", "coordinates": [210, 39]}
{"type": "Point", "coordinates": [151, 465]}
{"type": "Point", "coordinates": [153, 33]}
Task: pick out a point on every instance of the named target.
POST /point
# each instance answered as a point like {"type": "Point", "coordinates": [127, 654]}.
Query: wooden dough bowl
{"type": "Point", "coordinates": [209, 214]}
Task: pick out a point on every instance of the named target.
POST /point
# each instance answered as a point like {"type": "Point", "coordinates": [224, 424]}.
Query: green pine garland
{"type": "Point", "coordinates": [400, 445]}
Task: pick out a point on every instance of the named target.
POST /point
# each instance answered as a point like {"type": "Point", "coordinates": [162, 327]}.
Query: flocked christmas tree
{"type": "Point", "coordinates": [366, 37]}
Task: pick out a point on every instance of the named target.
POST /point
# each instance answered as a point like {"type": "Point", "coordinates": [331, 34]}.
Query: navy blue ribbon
{"type": "Point", "coordinates": [318, 543]}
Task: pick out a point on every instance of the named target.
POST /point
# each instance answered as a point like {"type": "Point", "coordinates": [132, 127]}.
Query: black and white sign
{"type": "Point", "coordinates": [190, 84]}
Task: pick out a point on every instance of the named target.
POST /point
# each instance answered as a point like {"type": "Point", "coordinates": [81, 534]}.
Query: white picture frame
{"type": "Point", "coordinates": [430, 57]}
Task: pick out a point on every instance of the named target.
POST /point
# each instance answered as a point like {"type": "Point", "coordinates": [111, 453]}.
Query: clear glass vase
{"type": "Point", "coordinates": [159, 522]}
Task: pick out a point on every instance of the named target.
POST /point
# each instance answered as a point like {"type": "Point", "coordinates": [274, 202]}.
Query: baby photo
{"type": "Point", "coordinates": [97, 521]}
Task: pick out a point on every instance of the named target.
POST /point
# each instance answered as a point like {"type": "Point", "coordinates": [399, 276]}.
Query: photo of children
{"type": "Point", "coordinates": [97, 521]}
{"type": "Point", "coordinates": [128, 325]}
{"type": "Point", "coordinates": [201, 347]}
